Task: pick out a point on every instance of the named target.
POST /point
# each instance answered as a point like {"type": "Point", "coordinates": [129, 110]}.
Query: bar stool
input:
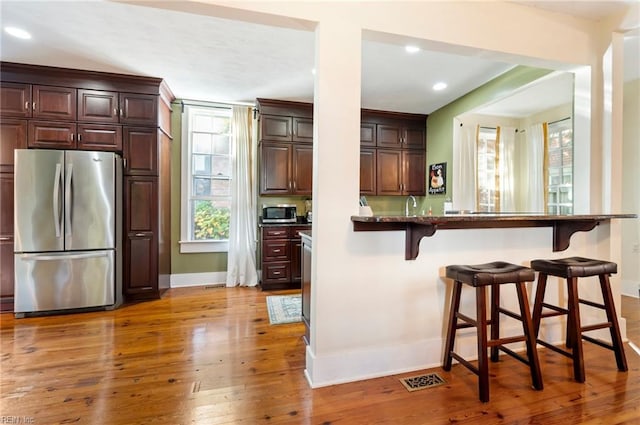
{"type": "Point", "coordinates": [571, 269]}
{"type": "Point", "coordinates": [492, 275]}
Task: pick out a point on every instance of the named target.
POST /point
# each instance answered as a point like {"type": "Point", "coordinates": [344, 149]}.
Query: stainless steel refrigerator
{"type": "Point", "coordinates": [68, 218]}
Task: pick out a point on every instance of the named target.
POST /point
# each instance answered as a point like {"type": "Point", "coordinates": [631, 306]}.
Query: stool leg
{"type": "Point", "coordinates": [452, 326]}
{"type": "Point", "coordinates": [483, 361]}
{"type": "Point", "coordinates": [495, 320]}
{"type": "Point", "coordinates": [610, 308]}
{"type": "Point", "coordinates": [537, 305]}
{"type": "Point", "coordinates": [574, 333]}
{"type": "Point", "coordinates": [527, 327]}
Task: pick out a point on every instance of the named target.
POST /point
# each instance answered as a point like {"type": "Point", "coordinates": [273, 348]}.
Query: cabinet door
{"type": "Point", "coordinates": [141, 151]}
{"type": "Point", "coordinates": [414, 138]}
{"type": "Point", "coordinates": [55, 103]}
{"type": "Point", "coordinates": [52, 135]}
{"type": "Point", "coordinates": [295, 264]}
{"type": "Point", "coordinates": [414, 173]}
{"type": "Point", "coordinates": [6, 241]}
{"type": "Point", "coordinates": [275, 168]}
{"type": "Point", "coordinates": [389, 136]}
{"type": "Point", "coordinates": [15, 100]}
{"type": "Point", "coordinates": [138, 109]}
{"type": "Point", "coordinates": [141, 245]}
{"type": "Point", "coordinates": [302, 162]}
{"type": "Point", "coordinates": [367, 134]}
{"type": "Point", "coordinates": [98, 106]}
{"type": "Point", "coordinates": [305, 289]}
{"type": "Point", "coordinates": [13, 135]}
{"type": "Point", "coordinates": [100, 137]}
{"type": "Point", "coordinates": [389, 172]}
{"type": "Point", "coordinates": [302, 130]}
{"type": "Point", "coordinates": [275, 128]}
{"type": "Point", "coordinates": [367, 171]}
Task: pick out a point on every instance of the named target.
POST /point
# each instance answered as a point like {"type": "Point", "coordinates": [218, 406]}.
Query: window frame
{"type": "Point", "coordinates": [187, 244]}
{"type": "Point", "coordinates": [564, 124]}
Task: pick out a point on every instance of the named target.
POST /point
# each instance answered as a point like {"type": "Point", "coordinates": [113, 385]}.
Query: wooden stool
{"type": "Point", "coordinates": [571, 269]}
{"type": "Point", "coordinates": [493, 275]}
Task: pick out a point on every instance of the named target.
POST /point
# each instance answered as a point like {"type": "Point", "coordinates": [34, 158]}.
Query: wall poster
{"type": "Point", "coordinates": [438, 178]}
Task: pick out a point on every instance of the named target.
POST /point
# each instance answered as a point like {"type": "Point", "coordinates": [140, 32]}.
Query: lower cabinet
{"type": "Point", "coordinates": [280, 249]}
{"type": "Point", "coordinates": [6, 242]}
{"type": "Point", "coordinates": [306, 286]}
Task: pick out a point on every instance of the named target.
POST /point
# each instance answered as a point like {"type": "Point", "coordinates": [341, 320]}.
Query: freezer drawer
{"type": "Point", "coordinates": [60, 281]}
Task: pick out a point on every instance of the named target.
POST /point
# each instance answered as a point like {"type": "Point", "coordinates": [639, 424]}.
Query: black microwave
{"type": "Point", "coordinates": [283, 213]}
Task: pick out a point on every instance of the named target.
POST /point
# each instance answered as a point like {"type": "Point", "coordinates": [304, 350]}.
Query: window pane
{"type": "Point", "coordinates": [201, 187]}
{"type": "Point", "coordinates": [221, 144]}
{"type": "Point", "coordinates": [221, 187]}
{"type": "Point", "coordinates": [221, 124]}
{"type": "Point", "coordinates": [210, 220]}
{"type": "Point", "coordinates": [202, 122]}
{"type": "Point", "coordinates": [221, 166]}
{"type": "Point", "coordinates": [201, 164]}
{"type": "Point", "coordinates": [201, 143]}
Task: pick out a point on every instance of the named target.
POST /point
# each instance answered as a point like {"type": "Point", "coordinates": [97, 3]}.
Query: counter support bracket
{"type": "Point", "coordinates": [563, 230]}
{"type": "Point", "coordinates": [414, 234]}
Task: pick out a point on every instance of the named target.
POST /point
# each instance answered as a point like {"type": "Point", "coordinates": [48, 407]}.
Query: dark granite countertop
{"type": "Point", "coordinates": [417, 227]}
{"type": "Point", "coordinates": [301, 221]}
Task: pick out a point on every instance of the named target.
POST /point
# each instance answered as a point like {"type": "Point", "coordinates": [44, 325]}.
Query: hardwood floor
{"type": "Point", "coordinates": [209, 356]}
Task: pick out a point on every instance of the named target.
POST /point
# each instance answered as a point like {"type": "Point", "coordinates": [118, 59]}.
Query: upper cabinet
{"type": "Point", "coordinates": [286, 152]}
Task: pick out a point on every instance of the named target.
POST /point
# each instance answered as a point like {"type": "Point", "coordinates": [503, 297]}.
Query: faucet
{"type": "Point", "coordinates": [406, 204]}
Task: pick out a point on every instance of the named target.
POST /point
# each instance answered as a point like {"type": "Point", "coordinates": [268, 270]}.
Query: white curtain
{"type": "Point", "coordinates": [241, 259]}
{"type": "Point", "coordinates": [464, 166]}
{"type": "Point", "coordinates": [535, 169]}
{"type": "Point", "coordinates": [507, 169]}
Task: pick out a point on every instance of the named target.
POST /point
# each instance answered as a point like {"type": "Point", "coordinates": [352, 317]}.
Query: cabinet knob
{"type": "Point", "coordinates": [276, 273]}
{"type": "Point", "coordinates": [33, 106]}
{"type": "Point", "coordinates": [26, 105]}
{"type": "Point", "coordinates": [71, 136]}
{"type": "Point", "coordinates": [276, 250]}
{"type": "Point", "coordinates": [139, 235]}
{"type": "Point", "coordinates": [5, 238]}
{"type": "Point", "coordinates": [79, 137]}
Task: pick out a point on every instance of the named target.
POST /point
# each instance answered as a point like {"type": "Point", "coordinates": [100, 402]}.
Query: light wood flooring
{"type": "Point", "coordinates": [209, 356]}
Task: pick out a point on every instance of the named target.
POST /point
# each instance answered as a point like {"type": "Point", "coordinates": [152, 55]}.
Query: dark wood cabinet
{"type": "Point", "coordinates": [13, 135]}
{"type": "Point", "coordinates": [141, 151]}
{"type": "Point", "coordinates": [286, 147]}
{"type": "Point", "coordinates": [55, 103]}
{"type": "Point", "coordinates": [141, 209]}
{"type": "Point", "coordinates": [305, 286]}
{"type": "Point", "coordinates": [368, 171]}
{"type": "Point", "coordinates": [400, 172]}
{"type": "Point", "coordinates": [100, 137]}
{"type": "Point", "coordinates": [280, 249]}
{"type": "Point", "coordinates": [392, 153]}
{"type": "Point", "coordinates": [52, 134]}
{"type": "Point", "coordinates": [6, 241]}
{"type": "Point", "coordinates": [98, 106]}
{"type": "Point", "coordinates": [302, 170]}
{"type": "Point", "coordinates": [138, 109]}
{"type": "Point", "coordinates": [59, 108]}
{"type": "Point", "coordinates": [15, 100]}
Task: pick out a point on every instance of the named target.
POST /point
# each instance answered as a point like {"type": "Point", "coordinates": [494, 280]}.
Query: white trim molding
{"type": "Point", "coordinates": [183, 280]}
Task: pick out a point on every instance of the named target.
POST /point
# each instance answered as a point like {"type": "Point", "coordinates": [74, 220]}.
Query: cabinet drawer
{"type": "Point", "coordinates": [275, 232]}
{"type": "Point", "coordinates": [293, 231]}
{"type": "Point", "coordinates": [276, 272]}
{"type": "Point", "coordinates": [43, 134]}
{"type": "Point", "coordinates": [100, 137]}
{"type": "Point", "coordinates": [273, 250]}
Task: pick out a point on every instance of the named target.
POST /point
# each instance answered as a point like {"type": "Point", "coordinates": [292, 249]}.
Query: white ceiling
{"type": "Point", "coordinates": [207, 58]}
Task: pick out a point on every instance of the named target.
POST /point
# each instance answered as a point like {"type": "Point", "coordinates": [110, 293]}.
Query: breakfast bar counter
{"type": "Point", "coordinates": [417, 227]}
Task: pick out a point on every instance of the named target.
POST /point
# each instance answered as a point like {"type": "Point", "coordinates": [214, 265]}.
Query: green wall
{"type": "Point", "coordinates": [185, 263]}
{"type": "Point", "coordinates": [440, 122]}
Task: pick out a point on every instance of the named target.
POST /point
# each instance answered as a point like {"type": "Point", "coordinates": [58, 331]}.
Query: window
{"type": "Point", "coordinates": [488, 177]}
{"type": "Point", "coordinates": [560, 167]}
{"type": "Point", "coordinates": [206, 178]}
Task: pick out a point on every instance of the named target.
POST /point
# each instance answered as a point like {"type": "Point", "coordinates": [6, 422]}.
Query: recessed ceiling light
{"type": "Point", "coordinates": [313, 71]}
{"type": "Point", "coordinates": [17, 32]}
{"type": "Point", "coordinates": [412, 49]}
{"type": "Point", "coordinates": [439, 86]}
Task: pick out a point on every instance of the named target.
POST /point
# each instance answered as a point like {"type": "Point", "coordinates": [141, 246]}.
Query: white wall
{"type": "Point", "coordinates": [374, 313]}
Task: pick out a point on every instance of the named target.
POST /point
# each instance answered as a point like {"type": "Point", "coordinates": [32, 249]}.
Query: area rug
{"type": "Point", "coordinates": [284, 309]}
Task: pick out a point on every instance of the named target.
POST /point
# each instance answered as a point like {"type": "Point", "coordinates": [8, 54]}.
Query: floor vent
{"type": "Point", "coordinates": [420, 382]}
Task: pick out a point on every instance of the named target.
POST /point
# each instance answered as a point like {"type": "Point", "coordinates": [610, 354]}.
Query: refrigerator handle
{"type": "Point", "coordinates": [56, 199]}
{"type": "Point", "coordinates": [68, 199]}
{"type": "Point", "coordinates": [82, 256]}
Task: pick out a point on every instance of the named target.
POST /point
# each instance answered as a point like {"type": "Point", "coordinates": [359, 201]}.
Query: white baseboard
{"type": "Point", "coordinates": [164, 281]}
{"type": "Point", "coordinates": [183, 280]}
{"type": "Point", "coordinates": [630, 288]}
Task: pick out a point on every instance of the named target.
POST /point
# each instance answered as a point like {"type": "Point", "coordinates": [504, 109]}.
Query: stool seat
{"type": "Point", "coordinates": [497, 272]}
{"type": "Point", "coordinates": [491, 275]}
{"type": "Point", "coordinates": [574, 267]}
{"type": "Point", "coordinates": [571, 269]}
